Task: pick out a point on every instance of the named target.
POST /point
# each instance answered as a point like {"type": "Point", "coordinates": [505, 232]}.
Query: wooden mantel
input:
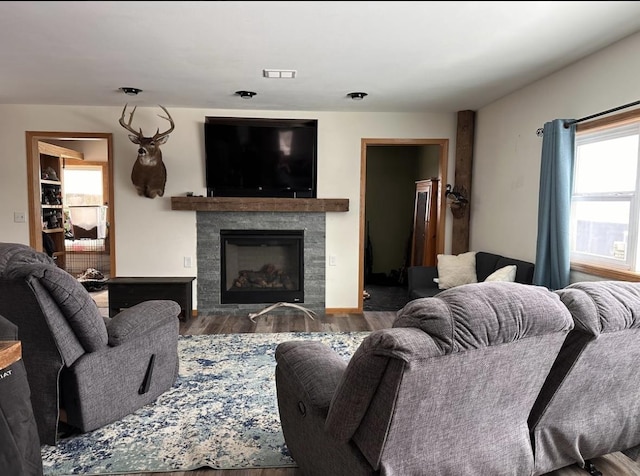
{"type": "Point", "coordinates": [248, 204]}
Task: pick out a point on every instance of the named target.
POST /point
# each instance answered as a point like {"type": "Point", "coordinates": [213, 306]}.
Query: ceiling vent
{"type": "Point", "coordinates": [279, 73]}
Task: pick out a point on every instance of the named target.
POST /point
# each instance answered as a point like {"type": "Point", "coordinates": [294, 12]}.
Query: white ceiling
{"type": "Point", "coordinates": [408, 56]}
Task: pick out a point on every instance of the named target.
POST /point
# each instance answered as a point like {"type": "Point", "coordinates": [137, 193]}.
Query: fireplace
{"type": "Point", "coordinates": [210, 224]}
{"type": "Point", "coordinates": [261, 266]}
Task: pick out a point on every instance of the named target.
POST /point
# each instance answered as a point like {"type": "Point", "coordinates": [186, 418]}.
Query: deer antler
{"type": "Point", "coordinates": [127, 125]}
{"type": "Point", "coordinates": [159, 135]}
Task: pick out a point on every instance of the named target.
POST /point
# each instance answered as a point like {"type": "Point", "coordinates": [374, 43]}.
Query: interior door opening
{"type": "Point", "coordinates": [70, 193]}
{"type": "Point", "coordinates": [391, 170]}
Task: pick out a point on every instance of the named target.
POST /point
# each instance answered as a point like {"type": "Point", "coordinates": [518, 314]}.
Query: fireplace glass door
{"type": "Point", "coordinates": [262, 266]}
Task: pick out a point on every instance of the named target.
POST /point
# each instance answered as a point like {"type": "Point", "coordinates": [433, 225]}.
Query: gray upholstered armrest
{"type": "Point", "coordinates": [315, 367]}
{"type": "Point", "coordinates": [422, 277]}
{"type": "Point", "coordinates": [139, 319]}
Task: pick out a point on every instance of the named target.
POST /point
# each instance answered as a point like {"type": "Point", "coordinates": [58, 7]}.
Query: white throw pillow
{"type": "Point", "coordinates": [455, 270]}
{"type": "Point", "coordinates": [508, 273]}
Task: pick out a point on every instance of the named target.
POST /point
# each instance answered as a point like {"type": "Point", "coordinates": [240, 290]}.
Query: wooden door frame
{"type": "Point", "coordinates": [442, 176]}
{"type": "Point", "coordinates": [33, 184]}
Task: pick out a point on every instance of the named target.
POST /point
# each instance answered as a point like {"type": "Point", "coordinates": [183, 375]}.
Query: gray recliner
{"type": "Point", "coordinates": [84, 369]}
{"type": "Point", "coordinates": [589, 404]}
{"type": "Point", "coordinates": [446, 391]}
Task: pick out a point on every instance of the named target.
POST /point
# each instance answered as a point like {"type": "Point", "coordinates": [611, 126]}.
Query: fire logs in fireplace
{"type": "Point", "coordinates": [269, 276]}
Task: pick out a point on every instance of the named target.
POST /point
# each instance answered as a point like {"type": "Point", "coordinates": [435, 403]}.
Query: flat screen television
{"type": "Point", "coordinates": [254, 157]}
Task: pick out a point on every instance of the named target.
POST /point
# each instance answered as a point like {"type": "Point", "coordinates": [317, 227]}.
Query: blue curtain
{"type": "Point", "coordinates": [554, 205]}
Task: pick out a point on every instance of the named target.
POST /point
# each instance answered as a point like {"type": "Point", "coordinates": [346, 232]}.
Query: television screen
{"type": "Point", "coordinates": [260, 157]}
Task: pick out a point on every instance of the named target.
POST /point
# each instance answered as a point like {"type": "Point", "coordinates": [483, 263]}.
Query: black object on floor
{"type": "Point", "coordinates": [385, 298]}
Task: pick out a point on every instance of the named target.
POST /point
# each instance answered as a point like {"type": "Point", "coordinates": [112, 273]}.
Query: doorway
{"type": "Point", "coordinates": [390, 169]}
{"type": "Point", "coordinates": [88, 242]}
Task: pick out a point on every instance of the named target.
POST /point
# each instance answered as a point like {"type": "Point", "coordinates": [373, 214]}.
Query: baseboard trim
{"type": "Point", "coordinates": [342, 310]}
{"type": "Point", "coordinates": [329, 310]}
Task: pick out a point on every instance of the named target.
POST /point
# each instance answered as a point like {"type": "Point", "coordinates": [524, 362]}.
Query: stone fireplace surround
{"type": "Point", "coordinates": [208, 226]}
{"type": "Point", "coordinates": [226, 213]}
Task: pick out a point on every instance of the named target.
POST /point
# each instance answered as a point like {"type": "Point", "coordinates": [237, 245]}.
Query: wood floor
{"type": "Point", "coordinates": [615, 464]}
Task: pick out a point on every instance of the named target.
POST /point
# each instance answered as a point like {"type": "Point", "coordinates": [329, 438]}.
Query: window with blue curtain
{"type": "Point", "coordinates": [605, 211]}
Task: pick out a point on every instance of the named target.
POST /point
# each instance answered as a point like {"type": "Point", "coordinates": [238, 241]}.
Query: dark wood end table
{"type": "Point", "coordinates": [128, 291]}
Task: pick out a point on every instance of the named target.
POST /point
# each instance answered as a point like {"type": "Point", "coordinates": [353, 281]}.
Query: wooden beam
{"type": "Point", "coordinates": [464, 167]}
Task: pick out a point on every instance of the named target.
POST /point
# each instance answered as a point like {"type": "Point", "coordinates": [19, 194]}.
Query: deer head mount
{"type": "Point", "coordinates": [149, 174]}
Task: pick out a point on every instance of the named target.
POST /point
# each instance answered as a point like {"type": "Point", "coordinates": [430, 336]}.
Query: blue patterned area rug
{"type": "Point", "coordinates": [222, 413]}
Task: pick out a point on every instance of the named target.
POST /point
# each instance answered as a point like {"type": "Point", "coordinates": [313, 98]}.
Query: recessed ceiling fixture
{"type": "Point", "coordinates": [279, 73]}
{"type": "Point", "coordinates": [357, 96]}
{"type": "Point", "coordinates": [246, 94]}
{"type": "Point", "coordinates": [131, 91]}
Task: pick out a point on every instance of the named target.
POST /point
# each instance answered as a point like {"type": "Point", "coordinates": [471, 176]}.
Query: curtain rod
{"type": "Point", "coordinates": [568, 124]}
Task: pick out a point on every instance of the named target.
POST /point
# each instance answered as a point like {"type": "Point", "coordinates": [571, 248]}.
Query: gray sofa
{"type": "Point", "coordinates": [82, 368]}
{"type": "Point", "coordinates": [588, 406]}
{"type": "Point", "coordinates": [420, 279]}
{"type": "Point", "coordinates": [446, 391]}
{"type": "Point", "coordinates": [489, 378]}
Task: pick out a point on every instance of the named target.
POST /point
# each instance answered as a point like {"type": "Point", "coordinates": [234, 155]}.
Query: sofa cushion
{"type": "Point", "coordinates": [524, 269]}
{"type": "Point", "coordinates": [423, 292]}
{"type": "Point", "coordinates": [456, 270]}
{"type": "Point", "coordinates": [478, 315]}
{"type": "Point", "coordinates": [486, 263]}
{"type": "Point", "coordinates": [507, 273]}
{"type": "Point", "coordinates": [74, 301]}
{"type": "Point", "coordinates": [601, 307]}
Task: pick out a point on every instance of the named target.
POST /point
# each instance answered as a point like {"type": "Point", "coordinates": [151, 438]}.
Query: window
{"type": "Point", "coordinates": [605, 206]}
{"type": "Point", "coordinates": [83, 185]}
{"type": "Point", "coordinates": [83, 200]}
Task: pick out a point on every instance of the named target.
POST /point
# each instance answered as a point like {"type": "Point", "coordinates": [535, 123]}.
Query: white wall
{"type": "Point", "coordinates": [506, 164]}
{"type": "Point", "coordinates": [151, 239]}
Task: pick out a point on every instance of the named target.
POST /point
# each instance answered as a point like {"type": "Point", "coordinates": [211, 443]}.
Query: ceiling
{"type": "Point", "coordinates": [408, 56]}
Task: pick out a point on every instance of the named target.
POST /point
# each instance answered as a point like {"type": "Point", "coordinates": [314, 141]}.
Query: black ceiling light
{"type": "Point", "coordinates": [358, 96]}
{"type": "Point", "coordinates": [131, 91]}
{"type": "Point", "coordinates": [246, 94]}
